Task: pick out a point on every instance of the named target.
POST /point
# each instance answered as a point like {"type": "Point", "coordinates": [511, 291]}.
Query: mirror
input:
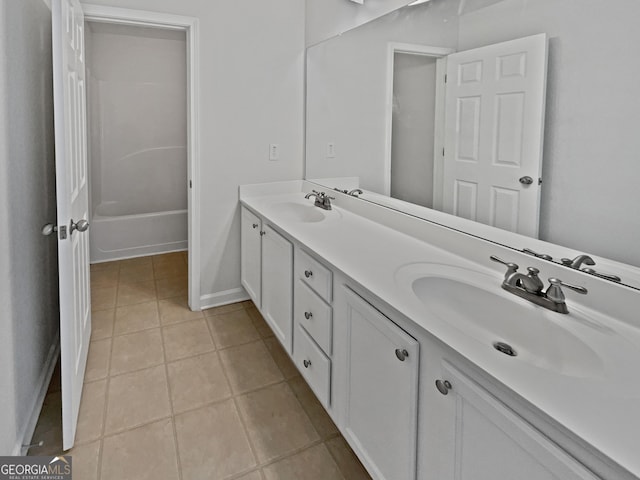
{"type": "Point", "coordinates": [360, 134]}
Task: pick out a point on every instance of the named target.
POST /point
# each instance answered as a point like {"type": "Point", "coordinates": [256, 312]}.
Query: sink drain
{"type": "Point", "coordinates": [505, 348]}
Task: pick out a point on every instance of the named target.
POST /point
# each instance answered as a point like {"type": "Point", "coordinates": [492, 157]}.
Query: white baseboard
{"type": "Point", "coordinates": [26, 432]}
{"type": "Point", "coordinates": [223, 298]}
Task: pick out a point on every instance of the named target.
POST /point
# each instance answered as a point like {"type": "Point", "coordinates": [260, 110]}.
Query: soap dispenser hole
{"type": "Point", "coordinates": [505, 348]}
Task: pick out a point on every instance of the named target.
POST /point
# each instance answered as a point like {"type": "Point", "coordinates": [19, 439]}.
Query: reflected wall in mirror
{"type": "Point", "coordinates": [367, 113]}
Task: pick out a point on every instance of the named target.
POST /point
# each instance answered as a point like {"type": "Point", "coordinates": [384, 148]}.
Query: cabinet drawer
{"type": "Point", "coordinates": [314, 365]}
{"type": "Point", "coordinates": [314, 274]}
{"type": "Point", "coordinates": [314, 314]}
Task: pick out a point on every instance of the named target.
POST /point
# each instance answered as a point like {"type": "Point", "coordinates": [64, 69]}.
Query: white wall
{"type": "Point", "coordinates": [137, 112]}
{"type": "Point", "coordinates": [327, 18]}
{"type": "Point", "coordinates": [252, 84]}
{"type": "Point", "coordinates": [591, 168]}
{"type": "Point", "coordinates": [7, 400]}
{"type": "Point", "coordinates": [413, 125]}
{"type": "Point", "coordinates": [28, 261]}
{"type": "Point", "coordinates": [347, 90]}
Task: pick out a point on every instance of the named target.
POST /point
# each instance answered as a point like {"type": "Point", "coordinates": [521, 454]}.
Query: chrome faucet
{"type": "Point", "coordinates": [355, 192]}
{"type": "Point", "coordinates": [531, 288]}
{"type": "Point", "coordinates": [578, 261]}
{"type": "Point", "coordinates": [322, 199]}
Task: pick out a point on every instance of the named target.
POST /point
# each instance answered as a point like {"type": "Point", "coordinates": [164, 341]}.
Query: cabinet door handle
{"type": "Point", "coordinates": [255, 225]}
{"type": "Point", "coordinates": [263, 233]}
{"type": "Point", "coordinates": [443, 386]}
{"type": "Point", "coordinates": [308, 273]}
{"type": "Point", "coordinates": [308, 315]}
{"type": "Point", "coordinates": [401, 354]}
{"type": "Point", "coordinates": [306, 363]}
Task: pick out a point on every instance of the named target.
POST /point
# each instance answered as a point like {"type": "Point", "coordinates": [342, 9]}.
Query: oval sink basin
{"type": "Point", "coordinates": [299, 212]}
{"type": "Point", "coordinates": [462, 298]}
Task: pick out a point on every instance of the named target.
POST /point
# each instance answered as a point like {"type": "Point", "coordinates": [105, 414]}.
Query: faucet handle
{"type": "Point", "coordinates": [555, 293]}
{"type": "Point", "coordinates": [576, 288]}
{"type": "Point", "coordinates": [606, 276]}
{"type": "Point", "coordinates": [510, 265]}
{"type": "Point", "coordinates": [543, 256]}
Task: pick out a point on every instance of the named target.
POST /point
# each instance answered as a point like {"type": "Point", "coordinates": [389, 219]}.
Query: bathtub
{"type": "Point", "coordinates": [115, 237]}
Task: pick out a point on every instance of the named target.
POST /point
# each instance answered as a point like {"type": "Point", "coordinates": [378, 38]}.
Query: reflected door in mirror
{"type": "Point", "coordinates": [494, 133]}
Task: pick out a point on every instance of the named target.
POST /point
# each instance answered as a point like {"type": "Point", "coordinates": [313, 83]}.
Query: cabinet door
{"type": "Point", "coordinates": [382, 392]}
{"type": "Point", "coordinates": [491, 441]}
{"type": "Point", "coordinates": [277, 285]}
{"type": "Point", "coordinates": [250, 265]}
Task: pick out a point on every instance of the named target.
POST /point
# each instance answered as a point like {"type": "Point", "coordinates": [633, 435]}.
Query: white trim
{"type": "Point", "coordinates": [412, 49]}
{"type": "Point", "coordinates": [224, 298]}
{"type": "Point", "coordinates": [438, 133]}
{"type": "Point", "coordinates": [125, 16]}
{"type": "Point", "coordinates": [28, 429]}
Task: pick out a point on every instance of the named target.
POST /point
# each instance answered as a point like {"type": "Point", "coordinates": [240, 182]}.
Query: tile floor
{"type": "Point", "coordinates": [175, 394]}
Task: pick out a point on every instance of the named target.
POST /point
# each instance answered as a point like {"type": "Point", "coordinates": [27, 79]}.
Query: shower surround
{"type": "Point", "coordinates": [137, 116]}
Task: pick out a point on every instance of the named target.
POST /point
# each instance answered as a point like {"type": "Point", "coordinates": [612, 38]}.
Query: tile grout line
{"type": "Point", "coordinates": [171, 407]}
{"type": "Point", "coordinates": [237, 408]}
{"type": "Point", "coordinates": [107, 389]}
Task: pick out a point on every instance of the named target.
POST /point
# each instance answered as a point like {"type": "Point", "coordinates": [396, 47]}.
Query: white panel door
{"type": "Point", "coordinates": [250, 255]}
{"type": "Point", "coordinates": [491, 441]}
{"type": "Point", "coordinates": [494, 125]}
{"type": "Point", "coordinates": [277, 285]}
{"type": "Point", "coordinates": [382, 392]}
{"type": "Point", "coordinates": [72, 204]}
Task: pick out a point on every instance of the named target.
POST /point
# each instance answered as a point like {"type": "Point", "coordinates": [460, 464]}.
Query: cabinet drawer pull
{"type": "Point", "coordinates": [306, 363]}
{"type": "Point", "coordinates": [443, 386]}
{"type": "Point", "coordinates": [263, 233]}
{"type": "Point", "coordinates": [255, 225]}
{"type": "Point", "coordinates": [401, 354]}
{"type": "Point", "coordinates": [308, 315]}
{"type": "Point", "coordinates": [308, 273]}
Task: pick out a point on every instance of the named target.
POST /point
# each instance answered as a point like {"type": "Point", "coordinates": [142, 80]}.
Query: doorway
{"type": "Point", "coordinates": [154, 194]}
{"type": "Point", "coordinates": [415, 120]}
{"type": "Point", "coordinates": [137, 140]}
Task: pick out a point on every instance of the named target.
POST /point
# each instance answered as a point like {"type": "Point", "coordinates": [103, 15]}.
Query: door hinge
{"type": "Point", "coordinates": [190, 184]}
{"type": "Point", "coordinates": [62, 229]}
{"type": "Point", "coordinates": [443, 152]}
{"type": "Point", "coordinates": [539, 181]}
{"type": "Point", "coordinates": [445, 78]}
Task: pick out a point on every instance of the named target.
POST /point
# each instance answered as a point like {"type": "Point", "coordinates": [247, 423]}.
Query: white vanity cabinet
{"type": "Point", "coordinates": [267, 274]}
{"type": "Point", "coordinates": [381, 401]}
{"type": "Point", "coordinates": [313, 320]}
{"type": "Point", "coordinates": [251, 254]}
{"type": "Point", "coordinates": [488, 440]}
{"type": "Point", "coordinates": [375, 370]}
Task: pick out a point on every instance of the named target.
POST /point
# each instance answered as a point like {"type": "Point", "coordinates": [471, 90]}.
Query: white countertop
{"type": "Point", "coordinates": [598, 402]}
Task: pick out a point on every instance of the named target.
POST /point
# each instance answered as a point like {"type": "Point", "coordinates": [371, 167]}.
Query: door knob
{"type": "Point", "coordinates": [81, 226]}
{"type": "Point", "coordinates": [48, 229]}
{"type": "Point", "coordinates": [527, 180]}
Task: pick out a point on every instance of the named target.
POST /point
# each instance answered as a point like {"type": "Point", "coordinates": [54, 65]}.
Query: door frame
{"type": "Point", "coordinates": [142, 18]}
{"type": "Point", "coordinates": [441, 68]}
